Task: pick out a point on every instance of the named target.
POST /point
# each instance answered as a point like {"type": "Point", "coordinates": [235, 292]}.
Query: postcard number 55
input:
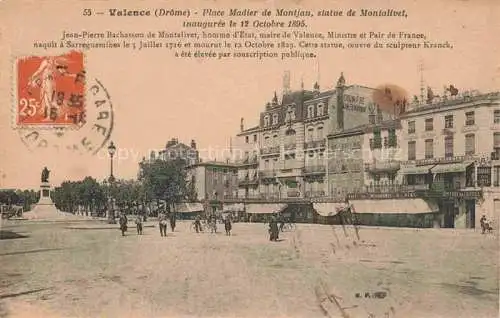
{"type": "Point", "coordinates": [28, 106]}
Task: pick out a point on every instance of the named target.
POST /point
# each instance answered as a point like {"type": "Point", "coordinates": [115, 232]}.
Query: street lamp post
{"type": "Point", "coordinates": [111, 215]}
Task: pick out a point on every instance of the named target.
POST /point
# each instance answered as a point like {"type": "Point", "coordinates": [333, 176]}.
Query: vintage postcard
{"type": "Point", "coordinates": [249, 158]}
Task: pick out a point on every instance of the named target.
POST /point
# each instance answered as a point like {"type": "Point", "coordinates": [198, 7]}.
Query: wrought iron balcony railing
{"type": "Point", "coordinates": [270, 150]}
{"type": "Point", "coordinates": [314, 169]}
{"type": "Point", "coordinates": [320, 143]}
{"type": "Point", "coordinates": [314, 194]}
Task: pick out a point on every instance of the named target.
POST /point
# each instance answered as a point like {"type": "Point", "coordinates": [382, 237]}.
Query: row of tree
{"type": "Point", "coordinates": [160, 183]}
{"type": "Point", "coordinates": [24, 198]}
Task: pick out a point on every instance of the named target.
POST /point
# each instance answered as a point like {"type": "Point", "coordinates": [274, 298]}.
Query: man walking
{"type": "Point", "coordinates": [138, 223]}
{"type": "Point", "coordinates": [162, 219]}
{"type": "Point", "coordinates": [123, 223]}
{"type": "Point", "coordinates": [172, 220]}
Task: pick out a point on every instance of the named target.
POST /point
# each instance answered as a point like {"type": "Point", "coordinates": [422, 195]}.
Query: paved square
{"type": "Point", "coordinates": [316, 271]}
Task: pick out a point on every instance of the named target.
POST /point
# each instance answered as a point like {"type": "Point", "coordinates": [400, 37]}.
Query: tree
{"type": "Point", "coordinates": [165, 180]}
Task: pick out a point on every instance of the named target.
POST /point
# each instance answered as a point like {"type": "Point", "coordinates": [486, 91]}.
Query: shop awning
{"type": "Point", "coordinates": [188, 207]}
{"type": "Point", "coordinates": [416, 170]}
{"type": "Point", "coordinates": [234, 207]}
{"type": "Point", "coordinates": [267, 208]}
{"type": "Point", "coordinates": [394, 206]}
{"type": "Point", "coordinates": [451, 167]}
{"type": "Point", "coordinates": [329, 209]}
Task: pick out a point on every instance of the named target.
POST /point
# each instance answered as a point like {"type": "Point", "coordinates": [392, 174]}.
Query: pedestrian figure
{"type": "Point", "coordinates": [273, 230]}
{"type": "Point", "coordinates": [213, 222]}
{"type": "Point", "coordinates": [282, 222]}
{"type": "Point", "coordinates": [228, 225]}
{"type": "Point", "coordinates": [197, 224]}
{"type": "Point", "coordinates": [162, 218]}
{"type": "Point", "coordinates": [172, 221]}
{"type": "Point", "coordinates": [123, 223]}
{"type": "Point", "coordinates": [138, 223]}
{"type": "Point", "coordinates": [485, 225]}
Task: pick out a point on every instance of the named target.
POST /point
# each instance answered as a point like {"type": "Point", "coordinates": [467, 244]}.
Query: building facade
{"type": "Point", "coordinates": [353, 111]}
{"type": "Point", "coordinates": [178, 150]}
{"type": "Point", "coordinates": [286, 155]}
{"type": "Point", "coordinates": [451, 146]}
{"type": "Point", "coordinates": [214, 180]}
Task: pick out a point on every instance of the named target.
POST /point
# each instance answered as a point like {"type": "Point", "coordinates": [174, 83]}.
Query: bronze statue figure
{"type": "Point", "coordinates": [45, 175]}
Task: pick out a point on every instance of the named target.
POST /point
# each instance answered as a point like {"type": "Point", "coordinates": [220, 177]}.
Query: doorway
{"type": "Point", "coordinates": [470, 214]}
{"type": "Point", "coordinates": [449, 214]}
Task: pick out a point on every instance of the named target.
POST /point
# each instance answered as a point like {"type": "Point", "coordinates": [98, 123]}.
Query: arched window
{"type": "Point", "coordinates": [275, 119]}
{"type": "Point", "coordinates": [310, 111]}
{"type": "Point", "coordinates": [266, 121]}
{"type": "Point", "coordinates": [320, 110]}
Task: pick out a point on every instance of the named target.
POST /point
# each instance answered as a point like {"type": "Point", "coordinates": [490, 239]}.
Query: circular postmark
{"type": "Point", "coordinates": [91, 132]}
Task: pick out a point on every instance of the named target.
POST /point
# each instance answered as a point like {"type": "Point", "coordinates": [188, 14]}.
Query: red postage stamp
{"type": "Point", "coordinates": [50, 90]}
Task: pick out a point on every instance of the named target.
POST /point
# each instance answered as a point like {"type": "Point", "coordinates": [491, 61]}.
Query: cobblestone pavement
{"type": "Point", "coordinates": [53, 270]}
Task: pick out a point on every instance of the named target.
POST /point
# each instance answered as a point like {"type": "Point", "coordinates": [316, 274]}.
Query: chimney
{"type": "Point", "coordinates": [340, 101]}
{"type": "Point", "coordinates": [193, 144]}
{"type": "Point", "coordinates": [242, 127]}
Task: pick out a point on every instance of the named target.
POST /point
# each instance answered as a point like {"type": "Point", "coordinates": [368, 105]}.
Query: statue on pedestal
{"type": "Point", "coordinates": [45, 174]}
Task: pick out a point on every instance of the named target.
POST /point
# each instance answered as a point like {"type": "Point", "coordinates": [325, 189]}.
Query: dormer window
{"type": "Point", "coordinates": [320, 110]}
{"type": "Point", "coordinates": [275, 119]}
{"type": "Point", "coordinates": [310, 111]}
{"type": "Point", "coordinates": [266, 121]}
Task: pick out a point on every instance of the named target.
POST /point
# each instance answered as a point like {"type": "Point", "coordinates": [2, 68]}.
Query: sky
{"type": "Point", "coordinates": [156, 96]}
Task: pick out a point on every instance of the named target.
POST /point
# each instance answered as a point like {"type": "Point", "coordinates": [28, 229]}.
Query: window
{"type": "Point", "coordinates": [484, 176]}
{"type": "Point", "coordinates": [496, 144]}
{"type": "Point", "coordinates": [386, 142]}
{"type": "Point", "coordinates": [496, 116]}
{"type": "Point", "coordinates": [320, 110]}
{"type": "Point", "coordinates": [429, 148]}
{"type": "Point", "coordinates": [266, 121]}
{"type": "Point", "coordinates": [470, 144]}
{"type": "Point", "coordinates": [310, 111]}
{"type": "Point", "coordinates": [448, 146]}
{"type": "Point", "coordinates": [275, 140]}
{"type": "Point", "coordinates": [469, 119]}
{"type": "Point", "coordinates": [496, 176]}
{"type": "Point", "coordinates": [246, 139]}
{"type": "Point", "coordinates": [377, 139]}
{"type": "Point", "coordinates": [429, 124]}
{"type": "Point", "coordinates": [275, 119]}
{"type": "Point", "coordinates": [371, 119]}
{"type": "Point", "coordinates": [266, 141]}
{"type": "Point", "coordinates": [310, 133]}
{"type": "Point", "coordinates": [393, 141]}
{"type": "Point", "coordinates": [412, 150]}
{"type": "Point", "coordinates": [254, 138]}
{"type": "Point", "coordinates": [320, 132]}
{"type": "Point", "coordinates": [448, 121]}
{"type": "Point", "coordinates": [411, 127]}
{"type": "Point", "coordinates": [266, 164]}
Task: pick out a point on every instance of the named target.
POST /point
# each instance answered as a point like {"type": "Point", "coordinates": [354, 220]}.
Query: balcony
{"type": "Point", "coordinates": [290, 164]}
{"type": "Point", "coordinates": [382, 166]}
{"type": "Point", "coordinates": [248, 181]}
{"type": "Point", "coordinates": [275, 150]}
{"type": "Point", "coordinates": [248, 161]}
{"type": "Point", "coordinates": [320, 143]}
{"type": "Point", "coordinates": [293, 193]}
{"type": "Point", "coordinates": [314, 169]}
{"type": "Point", "coordinates": [267, 174]}
{"type": "Point", "coordinates": [315, 194]}
{"type": "Point", "coordinates": [442, 160]}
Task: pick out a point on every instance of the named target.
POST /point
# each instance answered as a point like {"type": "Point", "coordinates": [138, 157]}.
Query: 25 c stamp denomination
{"type": "Point", "coordinates": [58, 107]}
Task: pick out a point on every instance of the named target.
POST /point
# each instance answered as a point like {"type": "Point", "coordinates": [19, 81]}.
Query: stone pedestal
{"type": "Point", "coordinates": [45, 190]}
